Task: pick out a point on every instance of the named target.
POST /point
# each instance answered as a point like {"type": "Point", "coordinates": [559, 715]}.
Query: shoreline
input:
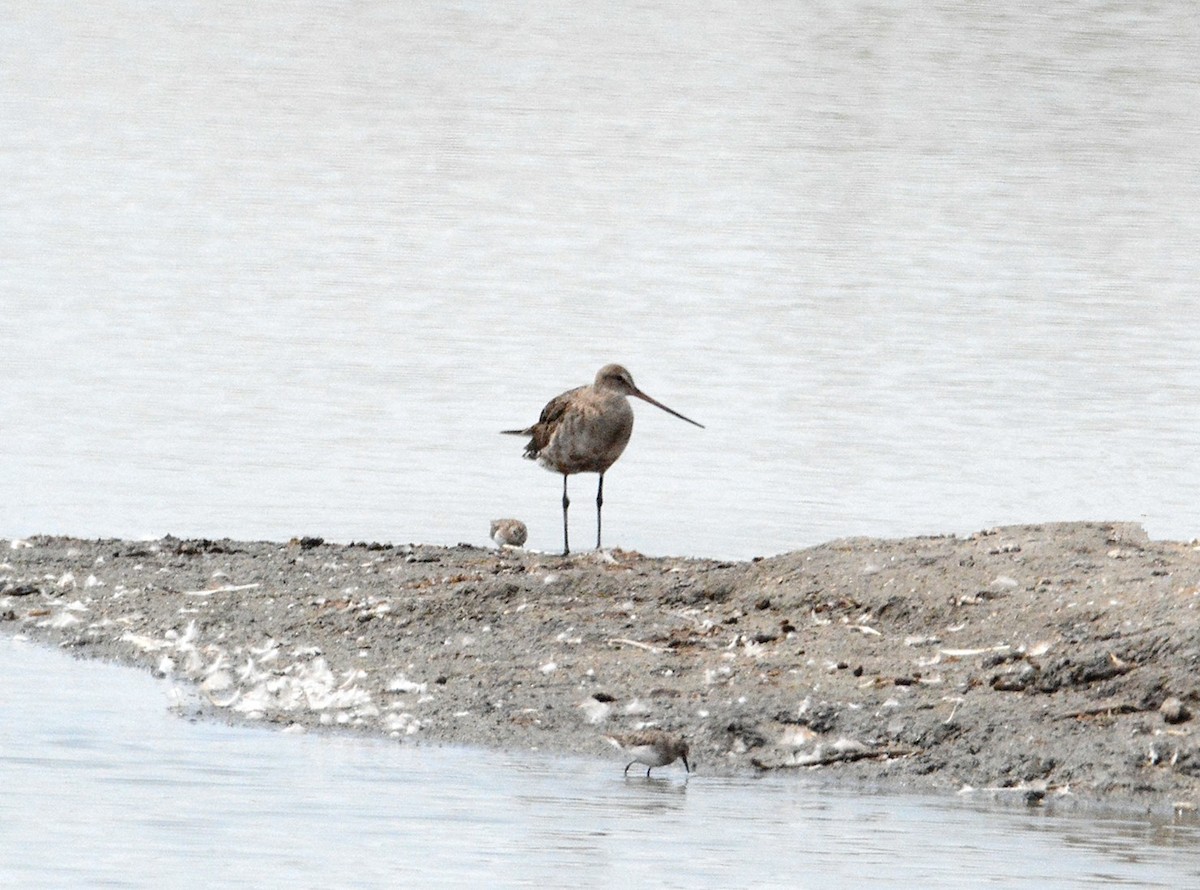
{"type": "Point", "coordinates": [1054, 663]}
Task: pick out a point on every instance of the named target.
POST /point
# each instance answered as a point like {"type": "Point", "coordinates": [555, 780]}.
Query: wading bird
{"type": "Point", "coordinates": [651, 748]}
{"type": "Point", "coordinates": [584, 430]}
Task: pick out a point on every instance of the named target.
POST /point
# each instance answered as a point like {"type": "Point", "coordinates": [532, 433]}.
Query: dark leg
{"type": "Point", "coordinates": [628, 765]}
{"type": "Point", "coordinates": [648, 771]}
{"type": "Point", "coordinates": [599, 504]}
{"type": "Point", "coordinates": [566, 503]}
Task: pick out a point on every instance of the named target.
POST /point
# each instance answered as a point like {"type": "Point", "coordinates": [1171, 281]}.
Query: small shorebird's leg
{"type": "Point", "coordinates": [599, 504]}
{"type": "Point", "coordinates": [566, 503]}
{"type": "Point", "coordinates": [628, 765]}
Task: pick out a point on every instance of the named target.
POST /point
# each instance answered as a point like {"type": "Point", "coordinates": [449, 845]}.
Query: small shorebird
{"type": "Point", "coordinates": [585, 429]}
{"type": "Point", "coordinates": [652, 747]}
{"type": "Point", "coordinates": [509, 532]}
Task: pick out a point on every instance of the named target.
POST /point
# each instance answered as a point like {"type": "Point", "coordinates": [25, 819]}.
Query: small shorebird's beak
{"type": "Point", "coordinates": [657, 404]}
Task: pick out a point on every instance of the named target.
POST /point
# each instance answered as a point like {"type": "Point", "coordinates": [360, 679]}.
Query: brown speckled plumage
{"type": "Point", "coordinates": [509, 532]}
{"type": "Point", "coordinates": [651, 747]}
{"type": "Point", "coordinates": [585, 430]}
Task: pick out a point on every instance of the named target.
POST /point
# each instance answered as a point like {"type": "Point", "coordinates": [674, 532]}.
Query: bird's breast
{"type": "Point", "coordinates": [589, 438]}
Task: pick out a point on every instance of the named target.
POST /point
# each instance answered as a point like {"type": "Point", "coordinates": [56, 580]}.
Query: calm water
{"type": "Point", "coordinates": [103, 786]}
{"type": "Point", "coordinates": [283, 268]}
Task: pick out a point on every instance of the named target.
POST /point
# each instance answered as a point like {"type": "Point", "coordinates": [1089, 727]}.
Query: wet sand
{"type": "Point", "coordinates": [1055, 663]}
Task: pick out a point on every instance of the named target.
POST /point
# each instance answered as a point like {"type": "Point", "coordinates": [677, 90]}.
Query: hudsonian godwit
{"type": "Point", "coordinates": [585, 429]}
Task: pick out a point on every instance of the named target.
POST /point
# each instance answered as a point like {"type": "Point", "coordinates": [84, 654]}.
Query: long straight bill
{"type": "Point", "coordinates": [657, 404]}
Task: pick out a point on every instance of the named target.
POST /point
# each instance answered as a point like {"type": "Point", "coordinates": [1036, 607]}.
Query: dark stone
{"type": "Point", "coordinates": [21, 590]}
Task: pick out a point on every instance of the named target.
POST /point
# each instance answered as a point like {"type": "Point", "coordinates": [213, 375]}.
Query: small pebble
{"type": "Point", "coordinates": [1174, 711]}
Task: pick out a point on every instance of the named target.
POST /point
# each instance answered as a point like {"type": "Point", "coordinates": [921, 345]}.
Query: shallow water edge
{"type": "Point", "coordinates": [1048, 664]}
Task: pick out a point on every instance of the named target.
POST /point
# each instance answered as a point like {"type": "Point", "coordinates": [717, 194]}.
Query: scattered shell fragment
{"type": "Point", "coordinates": [621, 641]}
{"type": "Point", "coordinates": [401, 724]}
{"type": "Point", "coordinates": [925, 640]}
{"type": "Point", "coordinates": [967, 653]}
{"type": "Point", "coordinates": [795, 737]}
{"type": "Point", "coordinates": [956, 700]}
{"type": "Point", "coordinates": [61, 620]}
{"type": "Point", "coordinates": [227, 588]}
{"type": "Point", "coordinates": [145, 643]}
{"type": "Point", "coordinates": [839, 748]}
{"type": "Point", "coordinates": [400, 683]}
{"type": "Point", "coordinates": [637, 708]}
{"type": "Point", "coordinates": [595, 711]}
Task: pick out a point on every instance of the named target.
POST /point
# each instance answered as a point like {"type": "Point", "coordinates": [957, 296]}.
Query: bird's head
{"type": "Point", "coordinates": [617, 379]}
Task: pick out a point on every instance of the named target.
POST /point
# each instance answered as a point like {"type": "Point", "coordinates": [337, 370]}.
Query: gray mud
{"type": "Point", "coordinates": [1033, 663]}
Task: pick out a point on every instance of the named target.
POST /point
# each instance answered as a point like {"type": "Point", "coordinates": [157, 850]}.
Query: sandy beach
{"type": "Point", "coordinates": [1035, 664]}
